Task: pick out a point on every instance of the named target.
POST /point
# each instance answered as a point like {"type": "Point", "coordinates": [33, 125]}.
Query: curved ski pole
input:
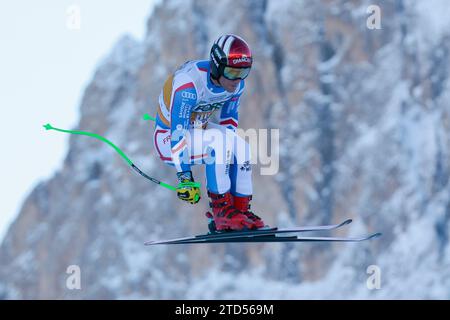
{"type": "Point", "coordinates": [147, 117]}
{"type": "Point", "coordinates": [120, 152]}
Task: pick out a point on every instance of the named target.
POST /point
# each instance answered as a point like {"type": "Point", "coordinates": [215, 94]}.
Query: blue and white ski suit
{"type": "Point", "coordinates": [184, 136]}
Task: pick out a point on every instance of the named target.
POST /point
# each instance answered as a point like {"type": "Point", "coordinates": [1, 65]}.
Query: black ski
{"type": "Point", "coordinates": [264, 238]}
{"type": "Point", "coordinates": [267, 231]}
{"type": "Point", "coordinates": [250, 233]}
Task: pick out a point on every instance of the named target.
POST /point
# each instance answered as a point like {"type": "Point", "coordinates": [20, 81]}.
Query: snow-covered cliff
{"type": "Point", "coordinates": [364, 119]}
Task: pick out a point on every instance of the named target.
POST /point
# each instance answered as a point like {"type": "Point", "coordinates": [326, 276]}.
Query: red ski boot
{"type": "Point", "coordinates": [224, 215]}
{"type": "Point", "coordinates": [243, 205]}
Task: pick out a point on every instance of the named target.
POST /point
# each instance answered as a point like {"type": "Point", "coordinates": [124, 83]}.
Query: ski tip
{"type": "Point", "coordinates": [48, 126]}
{"type": "Point", "coordinates": [348, 221]}
{"type": "Point", "coordinates": [376, 235]}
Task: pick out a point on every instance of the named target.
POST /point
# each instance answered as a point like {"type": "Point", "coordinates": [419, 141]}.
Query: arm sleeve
{"type": "Point", "coordinates": [184, 99]}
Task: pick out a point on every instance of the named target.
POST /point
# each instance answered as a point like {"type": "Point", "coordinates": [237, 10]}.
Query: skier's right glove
{"type": "Point", "coordinates": [187, 189]}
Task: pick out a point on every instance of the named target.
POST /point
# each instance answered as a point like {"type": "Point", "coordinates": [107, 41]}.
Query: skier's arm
{"type": "Point", "coordinates": [184, 99]}
{"type": "Point", "coordinates": [229, 115]}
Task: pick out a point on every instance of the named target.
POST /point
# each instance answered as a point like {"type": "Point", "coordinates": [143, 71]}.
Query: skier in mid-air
{"type": "Point", "coordinates": [187, 101]}
{"type": "Point", "coordinates": [184, 136]}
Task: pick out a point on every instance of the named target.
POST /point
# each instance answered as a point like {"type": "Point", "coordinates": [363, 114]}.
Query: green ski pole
{"type": "Point", "coordinates": [120, 152]}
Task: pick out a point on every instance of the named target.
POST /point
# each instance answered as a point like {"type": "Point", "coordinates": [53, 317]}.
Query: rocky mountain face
{"type": "Point", "coordinates": [364, 120]}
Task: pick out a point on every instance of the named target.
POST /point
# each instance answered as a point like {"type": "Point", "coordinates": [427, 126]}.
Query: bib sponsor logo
{"type": "Point", "coordinates": [189, 95]}
{"type": "Point", "coordinates": [208, 107]}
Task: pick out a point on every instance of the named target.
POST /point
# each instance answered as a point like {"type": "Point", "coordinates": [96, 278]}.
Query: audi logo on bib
{"type": "Point", "coordinates": [189, 95]}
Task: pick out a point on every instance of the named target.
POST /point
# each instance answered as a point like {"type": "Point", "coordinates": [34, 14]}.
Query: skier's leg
{"type": "Point", "coordinates": [218, 141]}
{"type": "Point", "coordinates": [161, 142]}
{"type": "Point", "coordinates": [241, 180]}
{"type": "Point", "coordinates": [218, 145]}
{"type": "Point", "coordinates": [214, 143]}
{"type": "Point", "coordinates": [241, 169]}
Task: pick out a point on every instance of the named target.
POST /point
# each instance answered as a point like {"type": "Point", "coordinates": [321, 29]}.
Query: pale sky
{"type": "Point", "coordinates": [45, 64]}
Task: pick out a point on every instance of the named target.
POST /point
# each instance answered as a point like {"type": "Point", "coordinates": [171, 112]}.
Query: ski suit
{"type": "Point", "coordinates": [185, 136]}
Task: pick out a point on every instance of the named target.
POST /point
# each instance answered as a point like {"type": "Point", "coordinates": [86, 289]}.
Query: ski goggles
{"type": "Point", "coordinates": [235, 73]}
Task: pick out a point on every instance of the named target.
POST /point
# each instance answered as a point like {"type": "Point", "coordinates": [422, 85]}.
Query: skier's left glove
{"type": "Point", "coordinates": [187, 189]}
